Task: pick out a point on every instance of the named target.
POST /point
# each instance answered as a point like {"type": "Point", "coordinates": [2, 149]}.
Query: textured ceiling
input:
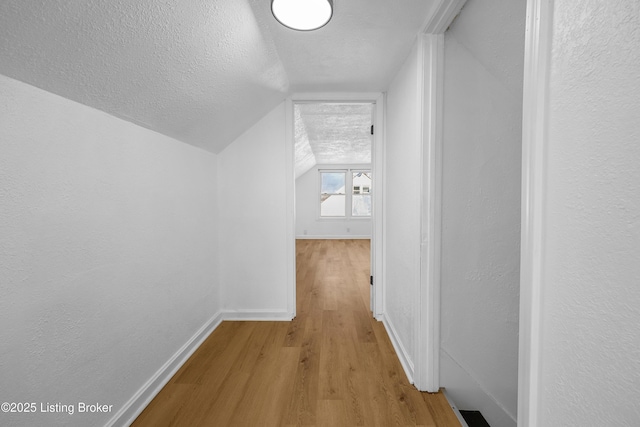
{"type": "Point", "coordinates": [199, 71]}
{"type": "Point", "coordinates": [360, 49]}
{"type": "Point", "coordinates": [332, 133]}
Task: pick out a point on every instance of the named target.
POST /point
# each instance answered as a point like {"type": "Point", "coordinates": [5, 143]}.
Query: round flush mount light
{"type": "Point", "coordinates": [302, 15]}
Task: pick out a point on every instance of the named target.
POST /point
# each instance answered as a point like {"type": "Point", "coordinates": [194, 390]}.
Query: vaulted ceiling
{"type": "Point", "coordinates": [201, 71]}
{"type": "Point", "coordinates": [332, 133]}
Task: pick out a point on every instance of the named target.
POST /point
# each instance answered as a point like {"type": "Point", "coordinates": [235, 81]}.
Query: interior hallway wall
{"type": "Point", "coordinates": [590, 359]}
{"type": "Point", "coordinates": [108, 253]}
{"type": "Point", "coordinates": [402, 206]}
{"type": "Point", "coordinates": [252, 202]}
{"type": "Point", "coordinates": [484, 51]}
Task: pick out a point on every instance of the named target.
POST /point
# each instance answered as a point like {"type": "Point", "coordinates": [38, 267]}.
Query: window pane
{"type": "Point", "coordinates": [361, 180]}
{"type": "Point", "coordinates": [361, 199]}
{"type": "Point", "coordinates": [361, 205]}
{"type": "Point", "coordinates": [333, 205]}
{"type": "Point", "coordinates": [333, 182]}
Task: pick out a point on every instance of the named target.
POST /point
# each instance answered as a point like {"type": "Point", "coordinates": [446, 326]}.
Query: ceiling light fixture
{"type": "Point", "coordinates": [302, 15]}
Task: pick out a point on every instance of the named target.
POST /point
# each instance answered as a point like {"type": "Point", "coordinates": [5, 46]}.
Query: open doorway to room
{"type": "Point", "coordinates": [334, 187]}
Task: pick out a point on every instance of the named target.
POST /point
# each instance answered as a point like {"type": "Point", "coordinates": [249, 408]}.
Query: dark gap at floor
{"type": "Point", "coordinates": [474, 419]}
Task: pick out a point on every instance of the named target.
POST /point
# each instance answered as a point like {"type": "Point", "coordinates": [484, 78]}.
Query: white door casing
{"type": "Point", "coordinates": [377, 260]}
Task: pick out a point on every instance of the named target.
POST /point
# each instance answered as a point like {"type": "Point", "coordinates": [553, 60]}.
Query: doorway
{"type": "Point", "coordinates": [335, 156]}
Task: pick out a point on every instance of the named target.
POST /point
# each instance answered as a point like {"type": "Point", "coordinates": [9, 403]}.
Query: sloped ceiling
{"type": "Point", "coordinates": [200, 71]}
{"type": "Point", "coordinates": [332, 133]}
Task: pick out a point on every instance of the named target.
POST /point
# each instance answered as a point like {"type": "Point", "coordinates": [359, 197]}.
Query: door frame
{"type": "Point", "coordinates": [538, 38]}
{"type": "Point", "coordinates": [430, 103]}
{"type": "Point", "coordinates": [377, 169]}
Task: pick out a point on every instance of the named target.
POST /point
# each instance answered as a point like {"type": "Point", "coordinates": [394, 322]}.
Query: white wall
{"type": "Point", "coordinates": [308, 223]}
{"type": "Point", "coordinates": [484, 51]}
{"type": "Point", "coordinates": [253, 238]}
{"type": "Point", "coordinates": [590, 356]}
{"type": "Point", "coordinates": [107, 255]}
{"type": "Point", "coordinates": [402, 206]}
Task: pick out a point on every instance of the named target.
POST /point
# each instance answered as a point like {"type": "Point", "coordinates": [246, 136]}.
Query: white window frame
{"type": "Point", "coordinates": [348, 193]}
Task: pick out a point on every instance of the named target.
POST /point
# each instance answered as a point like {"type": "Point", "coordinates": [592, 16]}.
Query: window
{"type": "Point", "coordinates": [333, 199]}
{"type": "Point", "coordinates": [361, 197]}
{"type": "Point", "coordinates": [336, 202]}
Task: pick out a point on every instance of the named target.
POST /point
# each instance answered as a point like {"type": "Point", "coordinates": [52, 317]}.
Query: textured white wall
{"type": "Point", "coordinates": [591, 297]}
{"type": "Point", "coordinates": [252, 196]}
{"type": "Point", "coordinates": [107, 255]}
{"type": "Point", "coordinates": [402, 202]}
{"type": "Point", "coordinates": [484, 51]}
{"type": "Point", "coordinates": [308, 210]}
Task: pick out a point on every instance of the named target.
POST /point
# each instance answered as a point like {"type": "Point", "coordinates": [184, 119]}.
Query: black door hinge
{"type": "Point", "coordinates": [371, 129]}
{"type": "Point", "coordinates": [371, 280]}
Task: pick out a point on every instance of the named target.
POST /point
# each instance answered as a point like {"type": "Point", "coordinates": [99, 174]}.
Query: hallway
{"type": "Point", "coordinates": [331, 366]}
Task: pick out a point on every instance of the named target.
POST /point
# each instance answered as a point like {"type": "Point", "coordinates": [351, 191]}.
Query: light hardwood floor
{"type": "Point", "coordinates": [333, 365]}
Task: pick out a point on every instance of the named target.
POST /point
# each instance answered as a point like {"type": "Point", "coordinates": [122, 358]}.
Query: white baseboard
{"type": "Point", "coordinates": [469, 394]}
{"type": "Point", "coordinates": [403, 355]}
{"type": "Point", "coordinates": [329, 237]}
{"type": "Point", "coordinates": [257, 315]}
{"type": "Point", "coordinates": [130, 410]}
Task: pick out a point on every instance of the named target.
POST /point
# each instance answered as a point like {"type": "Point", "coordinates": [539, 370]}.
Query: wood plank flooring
{"type": "Point", "coordinates": [333, 365]}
